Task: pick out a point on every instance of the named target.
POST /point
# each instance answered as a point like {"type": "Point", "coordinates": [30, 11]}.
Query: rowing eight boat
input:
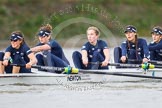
{"type": "Point", "coordinates": [40, 77]}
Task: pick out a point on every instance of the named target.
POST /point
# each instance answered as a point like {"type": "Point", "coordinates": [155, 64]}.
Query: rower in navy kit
{"type": "Point", "coordinates": [155, 47]}
{"type": "Point", "coordinates": [51, 52]}
{"type": "Point", "coordinates": [17, 53]}
{"type": "Point", "coordinates": [94, 54]}
{"type": "Point", "coordinates": [133, 48]}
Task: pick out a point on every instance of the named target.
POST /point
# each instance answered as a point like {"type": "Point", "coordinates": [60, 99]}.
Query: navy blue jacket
{"type": "Point", "coordinates": [157, 48]}
{"type": "Point", "coordinates": [22, 52]}
{"type": "Point", "coordinates": [142, 48]}
{"type": "Point", "coordinates": [100, 46]}
{"type": "Point", "coordinates": [56, 50]}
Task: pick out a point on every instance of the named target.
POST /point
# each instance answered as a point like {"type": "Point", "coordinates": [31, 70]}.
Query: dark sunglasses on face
{"type": "Point", "coordinates": [13, 40]}
{"type": "Point", "coordinates": [155, 34]}
{"type": "Point", "coordinates": [43, 36]}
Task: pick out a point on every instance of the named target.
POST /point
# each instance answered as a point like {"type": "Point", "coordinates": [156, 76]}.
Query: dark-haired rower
{"type": "Point", "coordinates": [133, 48]}
{"type": "Point", "coordinates": [155, 47]}
{"type": "Point", "coordinates": [17, 53]}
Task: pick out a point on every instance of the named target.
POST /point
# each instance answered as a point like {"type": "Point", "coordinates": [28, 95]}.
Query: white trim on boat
{"type": "Point", "coordinates": [40, 77]}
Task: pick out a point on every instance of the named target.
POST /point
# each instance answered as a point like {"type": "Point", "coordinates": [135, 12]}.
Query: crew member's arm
{"type": "Point", "coordinates": [84, 57]}
{"type": "Point", "coordinates": [4, 62]}
{"type": "Point", "coordinates": [40, 48]}
{"type": "Point", "coordinates": [6, 58]}
{"type": "Point", "coordinates": [146, 52]}
{"type": "Point", "coordinates": [107, 57]}
{"type": "Point", "coordinates": [124, 52]}
{"type": "Point", "coordinates": [32, 61]}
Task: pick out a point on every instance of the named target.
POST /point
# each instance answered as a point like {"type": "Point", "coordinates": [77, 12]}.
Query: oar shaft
{"type": "Point", "coordinates": [155, 62]}
{"type": "Point", "coordinates": [152, 61]}
{"type": "Point", "coordinates": [75, 70]}
{"type": "Point", "coordinates": [49, 68]}
{"type": "Point", "coordinates": [143, 66]}
{"type": "Point", "coordinates": [118, 74]}
{"type": "Point", "coordinates": [119, 64]}
{"type": "Point", "coordinates": [157, 66]}
{"type": "Point", "coordinates": [125, 65]}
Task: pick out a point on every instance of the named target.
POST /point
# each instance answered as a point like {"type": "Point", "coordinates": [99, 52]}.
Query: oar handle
{"type": "Point", "coordinates": [95, 63]}
{"type": "Point", "coordinates": [36, 66]}
{"type": "Point", "coordinates": [21, 65]}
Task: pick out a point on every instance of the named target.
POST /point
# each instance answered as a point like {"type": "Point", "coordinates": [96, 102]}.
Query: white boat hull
{"type": "Point", "coordinates": [38, 77]}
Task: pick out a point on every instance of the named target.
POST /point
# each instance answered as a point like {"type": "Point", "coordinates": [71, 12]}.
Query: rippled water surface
{"type": "Point", "coordinates": [114, 95]}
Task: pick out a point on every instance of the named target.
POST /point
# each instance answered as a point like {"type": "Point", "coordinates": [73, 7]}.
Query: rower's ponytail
{"type": "Point", "coordinates": [46, 27]}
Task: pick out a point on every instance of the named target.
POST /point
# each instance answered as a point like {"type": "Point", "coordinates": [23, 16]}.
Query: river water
{"type": "Point", "coordinates": [142, 94]}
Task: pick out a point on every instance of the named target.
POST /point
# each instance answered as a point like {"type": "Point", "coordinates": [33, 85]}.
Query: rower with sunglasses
{"type": "Point", "coordinates": [50, 52]}
{"type": "Point", "coordinates": [134, 48]}
{"type": "Point", "coordinates": [17, 53]}
{"type": "Point", "coordinates": [155, 47]}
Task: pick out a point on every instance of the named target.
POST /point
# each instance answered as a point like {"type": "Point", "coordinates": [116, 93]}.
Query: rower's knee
{"type": "Point", "coordinates": [1, 56]}
{"type": "Point", "coordinates": [117, 54]}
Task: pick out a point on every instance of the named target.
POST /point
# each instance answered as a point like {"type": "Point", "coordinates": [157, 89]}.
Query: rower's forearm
{"type": "Point", "coordinates": [35, 49]}
{"type": "Point", "coordinates": [107, 58]}
{"type": "Point", "coordinates": [107, 54]}
{"type": "Point", "coordinates": [84, 55]}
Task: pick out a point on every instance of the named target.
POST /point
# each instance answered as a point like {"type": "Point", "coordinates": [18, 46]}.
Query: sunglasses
{"type": "Point", "coordinates": [13, 40]}
{"type": "Point", "coordinates": [157, 34]}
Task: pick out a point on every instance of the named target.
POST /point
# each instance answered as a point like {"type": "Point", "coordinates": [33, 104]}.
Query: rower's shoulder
{"type": "Point", "coordinates": [152, 42]}
{"type": "Point", "coordinates": [141, 39]}
{"type": "Point", "coordinates": [124, 42]}
{"type": "Point", "coordinates": [101, 41]}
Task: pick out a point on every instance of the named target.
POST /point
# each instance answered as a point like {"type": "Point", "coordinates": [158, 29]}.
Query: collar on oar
{"type": "Point", "coordinates": [147, 66]}
{"type": "Point", "coordinates": [70, 70]}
